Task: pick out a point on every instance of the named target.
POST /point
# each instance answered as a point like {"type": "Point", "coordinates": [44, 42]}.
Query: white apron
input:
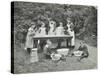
{"type": "Point", "coordinates": [71, 33]}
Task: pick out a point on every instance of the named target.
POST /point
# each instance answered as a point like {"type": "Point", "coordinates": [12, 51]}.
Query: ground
{"type": "Point", "coordinates": [22, 65]}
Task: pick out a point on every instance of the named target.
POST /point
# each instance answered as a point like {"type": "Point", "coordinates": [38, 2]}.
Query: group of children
{"type": "Point", "coordinates": [52, 29]}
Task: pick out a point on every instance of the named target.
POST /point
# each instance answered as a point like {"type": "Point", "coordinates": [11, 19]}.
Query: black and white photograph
{"type": "Point", "coordinates": [50, 37]}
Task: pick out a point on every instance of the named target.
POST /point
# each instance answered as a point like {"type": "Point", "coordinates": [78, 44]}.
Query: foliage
{"type": "Point", "coordinates": [84, 17]}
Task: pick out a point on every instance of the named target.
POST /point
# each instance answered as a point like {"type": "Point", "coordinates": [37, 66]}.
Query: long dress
{"type": "Point", "coordinates": [73, 39]}
{"type": "Point", "coordinates": [71, 33]}
{"type": "Point", "coordinates": [29, 38]}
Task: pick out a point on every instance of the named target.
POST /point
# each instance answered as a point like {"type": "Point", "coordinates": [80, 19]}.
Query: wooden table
{"type": "Point", "coordinates": [56, 37]}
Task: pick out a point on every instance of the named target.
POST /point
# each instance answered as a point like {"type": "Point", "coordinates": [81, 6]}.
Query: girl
{"type": "Point", "coordinates": [42, 32]}
{"type": "Point", "coordinates": [52, 27]}
{"type": "Point", "coordinates": [60, 29]}
{"type": "Point", "coordinates": [83, 47]}
{"type": "Point", "coordinates": [42, 29]}
{"type": "Point", "coordinates": [70, 30]}
{"type": "Point", "coordinates": [29, 38]}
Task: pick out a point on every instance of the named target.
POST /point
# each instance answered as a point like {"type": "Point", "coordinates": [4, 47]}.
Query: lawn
{"type": "Point", "coordinates": [22, 64]}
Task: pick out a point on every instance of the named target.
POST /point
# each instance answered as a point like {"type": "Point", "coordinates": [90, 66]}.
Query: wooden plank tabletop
{"type": "Point", "coordinates": [51, 36]}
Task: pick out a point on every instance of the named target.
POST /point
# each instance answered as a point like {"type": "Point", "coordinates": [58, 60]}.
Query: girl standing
{"type": "Point", "coordinates": [70, 30]}
{"type": "Point", "coordinates": [29, 38]}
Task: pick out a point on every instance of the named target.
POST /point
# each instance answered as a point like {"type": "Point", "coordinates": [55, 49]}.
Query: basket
{"type": "Point", "coordinates": [63, 51]}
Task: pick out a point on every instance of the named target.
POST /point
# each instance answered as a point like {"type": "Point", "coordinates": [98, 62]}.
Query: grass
{"type": "Point", "coordinates": [22, 64]}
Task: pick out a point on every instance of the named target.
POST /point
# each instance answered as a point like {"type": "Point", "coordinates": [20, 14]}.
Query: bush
{"type": "Point", "coordinates": [84, 17]}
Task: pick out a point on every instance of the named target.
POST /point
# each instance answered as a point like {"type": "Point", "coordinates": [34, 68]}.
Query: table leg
{"type": "Point", "coordinates": [38, 45]}
{"type": "Point", "coordinates": [67, 43]}
{"type": "Point", "coordinates": [59, 43]}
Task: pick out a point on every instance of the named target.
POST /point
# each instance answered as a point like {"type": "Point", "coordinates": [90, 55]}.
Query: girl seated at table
{"type": "Point", "coordinates": [60, 31]}
{"type": "Point", "coordinates": [42, 29]}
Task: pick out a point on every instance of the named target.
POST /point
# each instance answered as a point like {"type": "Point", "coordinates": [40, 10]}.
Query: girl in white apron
{"type": "Point", "coordinates": [70, 31]}
{"type": "Point", "coordinates": [29, 38]}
